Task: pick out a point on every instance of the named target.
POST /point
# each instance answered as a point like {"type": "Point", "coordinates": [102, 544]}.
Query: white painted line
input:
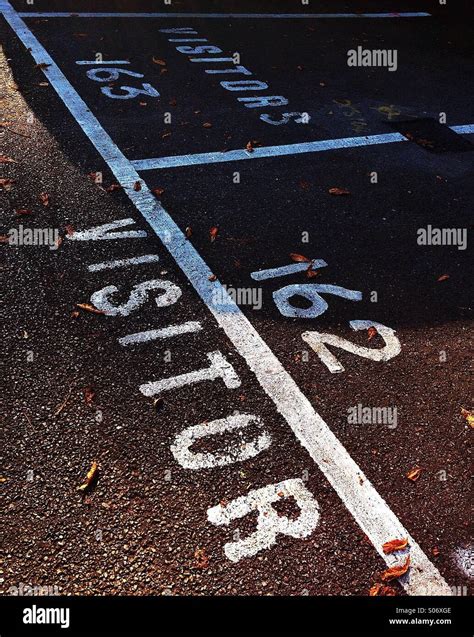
{"type": "Point", "coordinates": [122, 263]}
{"type": "Point", "coordinates": [165, 332]}
{"type": "Point", "coordinates": [368, 508]}
{"type": "Point", "coordinates": [286, 270]}
{"type": "Point", "coordinates": [103, 62]}
{"type": "Point", "coordinates": [197, 159]}
{"type": "Point", "coordinates": [316, 16]}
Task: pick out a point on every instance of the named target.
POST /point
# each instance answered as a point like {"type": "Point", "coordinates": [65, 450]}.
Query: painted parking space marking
{"type": "Point", "coordinates": [198, 159]}
{"type": "Point", "coordinates": [316, 16]}
{"type": "Point", "coordinates": [368, 508]}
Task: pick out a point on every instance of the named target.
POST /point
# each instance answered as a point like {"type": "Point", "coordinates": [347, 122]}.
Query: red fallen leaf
{"type": "Point", "coordinates": [158, 191]}
{"type": "Point", "coordinates": [74, 314]}
{"type": "Point", "coordinates": [310, 273]}
{"type": "Point", "coordinates": [189, 232]}
{"type": "Point", "coordinates": [435, 551]}
{"type": "Point", "coordinates": [69, 230]}
{"type": "Point", "coordinates": [338, 191]}
{"type": "Point", "coordinates": [414, 474]}
{"type": "Point", "coordinates": [249, 147]}
{"type": "Point", "coordinates": [304, 185]}
{"type": "Point", "coordinates": [173, 102]}
{"type": "Point", "coordinates": [212, 278]}
{"type": "Point", "coordinates": [443, 277]}
{"type": "Point", "coordinates": [396, 571]}
{"type": "Point", "coordinates": [207, 125]}
{"type": "Point", "coordinates": [158, 61]}
{"type": "Point", "coordinates": [89, 395]}
{"type": "Point", "coordinates": [137, 186]}
{"type": "Point", "coordinates": [299, 258]}
{"type": "Point", "coordinates": [394, 545]}
{"type": "Point", "coordinates": [165, 135]}
{"type": "Point", "coordinates": [58, 243]}
{"type": "Point", "coordinates": [202, 560]}
{"type": "Point", "coordinates": [113, 188]}
{"type": "Point", "coordinates": [80, 35]}
{"type": "Point", "coordinates": [213, 233]}
{"type": "Point", "coordinates": [22, 211]}
{"type": "Point", "coordinates": [6, 183]}
{"type": "Point", "coordinates": [4, 238]}
{"type": "Point", "coordinates": [89, 477]}
{"type": "Point", "coordinates": [89, 308]}
{"type": "Point", "coordinates": [44, 198]}
{"type": "Point", "coordinates": [6, 160]}
{"type": "Point", "coordinates": [42, 65]}
{"type": "Point", "coordinates": [379, 590]}
{"type": "Point", "coordinates": [371, 332]}
{"type": "Point", "coordinates": [93, 176]}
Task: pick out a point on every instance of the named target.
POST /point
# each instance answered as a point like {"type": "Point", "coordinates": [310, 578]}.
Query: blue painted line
{"type": "Point", "coordinates": [197, 159]}
{"type": "Point", "coordinates": [317, 16]}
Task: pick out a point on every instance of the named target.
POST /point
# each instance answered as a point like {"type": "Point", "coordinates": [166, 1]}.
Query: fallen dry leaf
{"type": "Point", "coordinates": [89, 308]}
{"type": "Point", "coordinates": [89, 477]}
{"type": "Point", "coordinates": [202, 561]}
{"type": "Point", "coordinates": [89, 395]}
{"type": "Point", "coordinates": [338, 191]}
{"type": "Point", "coordinates": [468, 415]}
{"type": "Point", "coordinates": [299, 258]}
{"type": "Point", "coordinates": [396, 571]}
{"type": "Point", "coordinates": [158, 61]}
{"type": "Point", "coordinates": [207, 125]}
{"type": "Point", "coordinates": [213, 232]}
{"type": "Point", "coordinates": [74, 314]}
{"type": "Point", "coordinates": [304, 185]}
{"type": "Point", "coordinates": [69, 230]}
{"type": "Point", "coordinates": [394, 545]}
{"type": "Point", "coordinates": [414, 474]}
{"type": "Point", "coordinates": [249, 147]}
{"type": "Point", "coordinates": [212, 278]}
{"type": "Point", "coordinates": [113, 188]}
{"type": "Point", "coordinates": [42, 65]}
{"type": "Point", "coordinates": [22, 212]}
{"type": "Point", "coordinates": [379, 590]}
{"type": "Point", "coordinates": [137, 186]}
{"type": "Point", "coordinates": [189, 232]}
{"type": "Point", "coordinates": [158, 403]}
{"type": "Point", "coordinates": [6, 183]}
{"type": "Point", "coordinates": [4, 238]}
{"type": "Point", "coordinates": [6, 160]}
{"type": "Point", "coordinates": [158, 191]}
{"type": "Point", "coordinates": [44, 198]}
{"type": "Point", "coordinates": [371, 332]}
{"type": "Point", "coordinates": [443, 277]}
{"type": "Point", "coordinates": [435, 551]}
{"type": "Point", "coordinates": [310, 273]}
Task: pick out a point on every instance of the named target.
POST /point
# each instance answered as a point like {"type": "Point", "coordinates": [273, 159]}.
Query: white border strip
{"type": "Point", "coordinates": [368, 508]}
{"type": "Point", "coordinates": [317, 16]}
{"type": "Point", "coordinates": [198, 159]}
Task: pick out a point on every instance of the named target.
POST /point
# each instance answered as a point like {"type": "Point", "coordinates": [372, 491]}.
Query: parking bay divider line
{"type": "Point", "coordinates": [198, 159]}
{"type": "Point", "coordinates": [368, 508]}
{"type": "Point", "coordinates": [63, 14]}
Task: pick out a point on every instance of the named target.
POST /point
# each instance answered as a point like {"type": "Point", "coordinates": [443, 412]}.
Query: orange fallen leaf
{"type": "Point", "coordinates": [4, 238]}
{"type": "Point", "coordinates": [89, 477]}
{"type": "Point", "coordinates": [396, 571]}
{"type": "Point", "coordinates": [22, 211]}
{"type": "Point", "coordinates": [468, 415]}
{"type": "Point", "coordinates": [6, 160]}
{"type": "Point", "coordinates": [371, 332]}
{"type": "Point", "coordinates": [435, 551]}
{"type": "Point", "coordinates": [89, 395]}
{"type": "Point", "coordinates": [158, 61]}
{"type": "Point", "coordinates": [158, 191]}
{"type": "Point", "coordinates": [69, 230]}
{"type": "Point", "coordinates": [189, 232]}
{"type": "Point", "coordinates": [207, 125]}
{"type": "Point", "coordinates": [379, 590]}
{"type": "Point", "coordinates": [202, 560]}
{"type": "Point", "coordinates": [74, 314]}
{"type": "Point", "coordinates": [213, 232]}
{"type": "Point", "coordinates": [443, 277]}
{"type": "Point", "coordinates": [394, 545]}
{"type": "Point", "coordinates": [299, 258]}
{"type": "Point", "coordinates": [310, 273]}
{"type": "Point", "coordinates": [44, 198]}
{"type": "Point", "coordinates": [338, 191]}
{"type": "Point", "coordinates": [166, 134]}
{"type": "Point", "coordinates": [212, 278]}
{"type": "Point", "coordinates": [89, 308]}
{"type": "Point", "coordinates": [42, 65]}
{"type": "Point", "coordinates": [249, 147]}
{"type": "Point", "coordinates": [137, 186]}
{"type": "Point", "coordinates": [414, 474]}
